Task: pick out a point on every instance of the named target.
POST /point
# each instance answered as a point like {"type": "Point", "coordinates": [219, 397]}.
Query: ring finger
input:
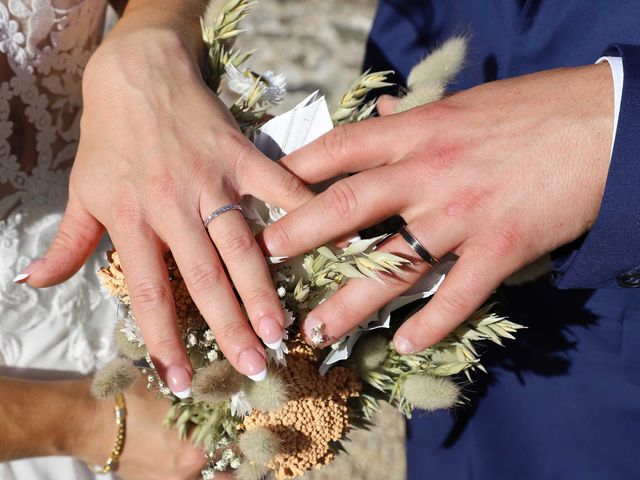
{"type": "Point", "coordinates": [207, 282]}
{"type": "Point", "coordinates": [360, 297]}
{"type": "Point", "coordinates": [249, 273]}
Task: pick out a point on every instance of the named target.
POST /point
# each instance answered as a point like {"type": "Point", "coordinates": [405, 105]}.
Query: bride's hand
{"type": "Point", "coordinates": [158, 153]}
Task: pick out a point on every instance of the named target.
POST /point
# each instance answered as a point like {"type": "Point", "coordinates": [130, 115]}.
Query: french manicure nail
{"type": "Point", "coordinates": [21, 278]}
{"type": "Point", "coordinates": [179, 381]}
{"type": "Point", "coordinates": [24, 275]}
{"type": "Point", "coordinates": [253, 365]}
{"type": "Point", "coordinates": [270, 332]}
{"type": "Point", "coordinates": [403, 346]}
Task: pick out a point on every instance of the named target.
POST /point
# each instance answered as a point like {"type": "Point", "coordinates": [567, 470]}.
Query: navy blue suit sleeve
{"type": "Point", "coordinates": [609, 255]}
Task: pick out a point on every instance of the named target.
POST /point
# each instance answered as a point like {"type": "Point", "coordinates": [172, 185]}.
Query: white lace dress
{"type": "Point", "coordinates": [65, 330]}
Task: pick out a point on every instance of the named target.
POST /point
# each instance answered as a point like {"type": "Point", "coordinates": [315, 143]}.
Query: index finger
{"type": "Point", "coordinates": [351, 148]}
{"type": "Point", "coordinates": [347, 206]}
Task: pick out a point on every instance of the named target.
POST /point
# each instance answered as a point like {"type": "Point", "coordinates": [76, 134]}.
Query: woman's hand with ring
{"type": "Point", "coordinates": [158, 153]}
{"type": "Point", "coordinates": [498, 175]}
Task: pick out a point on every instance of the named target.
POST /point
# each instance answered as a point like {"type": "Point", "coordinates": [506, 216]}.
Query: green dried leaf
{"type": "Point", "coordinates": [360, 246]}
{"type": "Point", "coordinates": [327, 253]}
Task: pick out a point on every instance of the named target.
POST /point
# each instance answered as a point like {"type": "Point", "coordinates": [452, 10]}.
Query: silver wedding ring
{"type": "Point", "coordinates": [417, 247]}
{"type": "Point", "coordinates": [216, 213]}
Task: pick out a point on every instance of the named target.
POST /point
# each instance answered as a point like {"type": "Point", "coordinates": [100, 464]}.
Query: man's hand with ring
{"type": "Point", "coordinates": [498, 175]}
{"type": "Point", "coordinates": [158, 154]}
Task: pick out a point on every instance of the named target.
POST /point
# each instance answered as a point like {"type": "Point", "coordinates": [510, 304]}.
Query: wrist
{"type": "Point", "coordinates": [133, 61]}
{"type": "Point", "coordinates": [90, 425]}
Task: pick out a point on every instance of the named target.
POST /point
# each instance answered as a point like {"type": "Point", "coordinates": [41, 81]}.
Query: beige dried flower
{"type": "Point", "coordinates": [370, 352]}
{"type": "Point", "coordinates": [431, 393]}
{"type": "Point", "coordinates": [113, 280]}
{"type": "Point", "coordinates": [315, 415]}
{"type": "Point", "coordinates": [250, 471]}
{"type": "Point", "coordinates": [269, 394]}
{"type": "Point", "coordinates": [216, 382]}
{"type": "Point", "coordinates": [115, 377]}
{"type": "Point", "coordinates": [259, 445]}
{"type": "Point", "coordinates": [421, 95]}
{"type": "Point", "coordinates": [441, 65]}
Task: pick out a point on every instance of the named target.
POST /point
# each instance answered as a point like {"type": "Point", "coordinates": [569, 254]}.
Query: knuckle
{"type": "Point", "coordinates": [162, 349]}
{"type": "Point", "coordinates": [237, 244]}
{"type": "Point", "coordinates": [452, 302]}
{"type": "Point", "coordinates": [230, 332]}
{"type": "Point", "coordinates": [466, 201]}
{"type": "Point", "coordinates": [203, 277]}
{"type": "Point", "coordinates": [341, 201]}
{"type": "Point", "coordinates": [436, 113]}
{"type": "Point", "coordinates": [73, 236]}
{"type": "Point", "coordinates": [292, 187]}
{"type": "Point", "coordinates": [279, 238]}
{"type": "Point", "coordinates": [151, 296]}
{"type": "Point", "coordinates": [164, 187]}
{"type": "Point", "coordinates": [335, 143]}
{"type": "Point", "coordinates": [261, 297]}
{"type": "Point", "coordinates": [244, 154]}
{"type": "Point", "coordinates": [128, 212]}
{"type": "Point", "coordinates": [505, 241]}
{"type": "Point", "coordinates": [429, 332]}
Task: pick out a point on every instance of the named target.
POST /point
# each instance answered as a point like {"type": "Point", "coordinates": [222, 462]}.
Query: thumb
{"type": "Point", "coordinates": [387, 105]}
{"type": "Point", "coordinates": [77, 237]}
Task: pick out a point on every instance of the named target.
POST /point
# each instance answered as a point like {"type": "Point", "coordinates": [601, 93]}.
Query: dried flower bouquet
{"type": "Point", "coordinates": [296, 418]}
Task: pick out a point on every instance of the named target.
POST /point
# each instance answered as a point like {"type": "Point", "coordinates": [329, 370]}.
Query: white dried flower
{"type": "Point", "coordinates": [245, 82]}
{"type": "Point", "coordinates": [208, 474]}
{"type": "Point", "coordinates": [240, 405]}
{"type": "Point", "coordinates": [281, 292]}
{"type": "Point", "coordinates": [208, 335]}
{"type": "Point", "coordinates": [275, 213]}
{"type": "Point", "coordinates": [279, 353]}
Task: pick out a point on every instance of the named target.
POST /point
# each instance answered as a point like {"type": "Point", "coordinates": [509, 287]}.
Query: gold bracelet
{"type": "Point", "coordinates": [121, 423]}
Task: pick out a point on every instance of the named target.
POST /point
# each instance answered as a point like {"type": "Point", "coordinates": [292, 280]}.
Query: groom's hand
{"type": "Point", "coordinates": [158, 153]}
{"type": "Point", "coordinates": [498, 175]}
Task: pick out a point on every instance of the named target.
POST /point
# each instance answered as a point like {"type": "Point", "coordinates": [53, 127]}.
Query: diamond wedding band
{"type": "Point", "coordinates": [216, 213]}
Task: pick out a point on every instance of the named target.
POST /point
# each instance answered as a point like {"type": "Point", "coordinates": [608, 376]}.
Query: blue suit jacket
{"type": "Point", "coordinates": [564, 400]}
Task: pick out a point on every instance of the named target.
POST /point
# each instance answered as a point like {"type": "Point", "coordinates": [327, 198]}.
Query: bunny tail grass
{"type": "Point", "coordinates": [421, 95]}
{"type": "Point", "coordinates": [258, 445]}
{"type": "Point", "coordinates": [216, 382]}
{"type": "Point", "coordinates": [250, 471]}
{"type": "Point", "coordinates": [269, 394]}
{"type": "Point", "coordinates": [441, 65]}
{"type": "Point", "coordinates": [431, 393]}
{"type": "Point", "coordinates": [115, 377]}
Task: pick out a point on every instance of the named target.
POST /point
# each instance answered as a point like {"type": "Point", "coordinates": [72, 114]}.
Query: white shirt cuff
{"type": "Point", "coordinates": [617, 71]}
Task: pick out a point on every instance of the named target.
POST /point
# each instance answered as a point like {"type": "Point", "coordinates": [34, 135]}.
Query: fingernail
{"type": "Point", "coordinates": [270, 332]}
{"type": "Point", "coordinates": [403, 346]}
{"type": "Point", "coordinates": [179, 381]}
{"type": "Point", "coordinates": [253, 365]}
{"type": "Point", "coordinates": [357, 238]}
{"type": "Point", "coordinates": [24, 274]}
{"type": "Point", "coordinates": [314, 330]}
{"type": "Point", "coordinates": [276, 260]}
